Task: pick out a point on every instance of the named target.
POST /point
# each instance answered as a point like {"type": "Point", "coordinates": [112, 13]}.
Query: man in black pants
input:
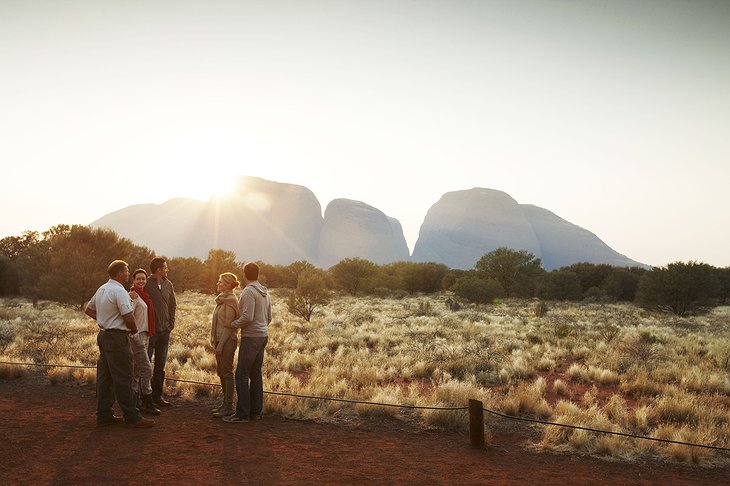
{"type": "Point", "coordinates": [111, 307]}
{"type": "Point", "coordinates": [162, 294]}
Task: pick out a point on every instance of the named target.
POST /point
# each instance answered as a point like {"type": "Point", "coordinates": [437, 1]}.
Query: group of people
{"type": "Point", "coordinates": [134, 337]}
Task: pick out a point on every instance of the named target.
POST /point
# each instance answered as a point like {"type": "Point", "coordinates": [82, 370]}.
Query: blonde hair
{"type": "Point", "coordinates": [230, 279]}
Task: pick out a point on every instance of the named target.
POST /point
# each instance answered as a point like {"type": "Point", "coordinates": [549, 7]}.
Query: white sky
{"type": "Point", "coordinates": [613, 114]}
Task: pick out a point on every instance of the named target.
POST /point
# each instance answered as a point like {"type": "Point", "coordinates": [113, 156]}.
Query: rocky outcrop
{"type": "Point", "coordinates": [563, 243]}
{"type": "Point", "coordinates": [259, 220]}
{"type": "Point", "coordinates": [355, 229]}
{"type": "Point", "coordinates": [464, 225]}
{"type": "Point", "coordinates": [281, 223]}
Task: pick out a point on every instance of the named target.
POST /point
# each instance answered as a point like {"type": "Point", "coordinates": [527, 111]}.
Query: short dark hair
{"type": "Point", "coordinates": [251, 271]}
{"type": "Point", "coordinates": [115, 267]}
{"type": "Point", "coordinates": [140, 270]}
{"type": "Point", "coordinates": [157, 262]}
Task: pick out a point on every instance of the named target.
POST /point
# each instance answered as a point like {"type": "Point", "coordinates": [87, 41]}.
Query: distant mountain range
{"type": "Point", "coordinates": [281, 223]}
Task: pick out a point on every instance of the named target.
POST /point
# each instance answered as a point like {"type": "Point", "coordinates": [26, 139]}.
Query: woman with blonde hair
{"type": "Point", "coordinates": [224, 339]}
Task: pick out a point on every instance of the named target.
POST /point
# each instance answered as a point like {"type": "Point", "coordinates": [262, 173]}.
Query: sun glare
{"type": "Point", "coordinates": [203, 186]}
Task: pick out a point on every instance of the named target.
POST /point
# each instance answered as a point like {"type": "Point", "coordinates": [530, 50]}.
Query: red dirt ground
{"type": "Point", "coordinates": [49, 436]}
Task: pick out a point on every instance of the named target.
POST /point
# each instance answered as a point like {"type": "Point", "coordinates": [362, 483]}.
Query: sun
{"type": "Point", "coordinates": [202, 186]}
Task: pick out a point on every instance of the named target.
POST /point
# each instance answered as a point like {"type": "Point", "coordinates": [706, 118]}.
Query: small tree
{"type": "Point", "coordinates": [679, 287]}
{"type": "Point", "coordinates": [474, 288]}
{"type": "Point", "coordinates": [559, 285]}
{"type": "Point", "coordinates": [516, 271]}
{"type": "Point", "coordinates": [218, 261]}
{"type": "Point", "coordinates": [310, 294]}
{"type": "Point", "coordinates": [188, 273]}
{"type": "Point", "coordinates": [354, 274]}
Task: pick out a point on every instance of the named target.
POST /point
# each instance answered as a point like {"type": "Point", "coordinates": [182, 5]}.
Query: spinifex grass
{"type": "Point", "coordinates": [606, 366]}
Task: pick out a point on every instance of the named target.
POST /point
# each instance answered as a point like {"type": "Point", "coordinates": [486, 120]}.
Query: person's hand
{"type": "Point", "coordinates": [132, 328]}
{"type": "Point", "coordinates": [133, 294]}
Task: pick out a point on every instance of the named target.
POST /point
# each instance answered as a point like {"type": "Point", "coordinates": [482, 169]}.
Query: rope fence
{"type": "Point", "coordinates": [476, 411]}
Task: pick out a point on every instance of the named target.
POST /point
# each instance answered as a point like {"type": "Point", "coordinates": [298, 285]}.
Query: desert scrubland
{"type": "Point", "coordinates": [613, 367]}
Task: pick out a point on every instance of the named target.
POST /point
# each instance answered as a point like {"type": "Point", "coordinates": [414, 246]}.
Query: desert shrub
{"type": "Point", "coordinates": [7, 335]}
{"type": "Point", "coordinates": [452, 304]}
{"type": "Point", "coordinates": [641, 350]}
{"type": "Point", "coordinates": [679, 287]}
{"type": "Point", "coordinates": [515, 271]}
{"type": "Point", "coordinates": [310, 294]}
{"type": "Point", "coordinates": [477, 289]}
{"type": "Point", "coordinates": [559, 285]}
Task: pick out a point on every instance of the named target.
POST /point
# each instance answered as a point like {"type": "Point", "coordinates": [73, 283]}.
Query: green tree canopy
{"type": "Point", "coordinates": [219, 261]}
{"type": "Point", "coordinates": [69, 263]}
{"type": "Point", "coordinates": [478, 289]}
{"type": "Point", "coordinates": [559, 285]}
{"type": "Point", "coordinates": [310, 294]}
{"type": "Point", "coordinates": [515, 270]}
{"type": "Point", "coordinates": [354, 275]}
{"type": "Point", "coordinates": [188, 273]}
{"type": "Point", "coordinates": [679, 287]}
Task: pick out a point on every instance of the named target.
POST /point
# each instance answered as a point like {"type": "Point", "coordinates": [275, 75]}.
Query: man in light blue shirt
{"type": "Point", "coordinates": [111, 307]}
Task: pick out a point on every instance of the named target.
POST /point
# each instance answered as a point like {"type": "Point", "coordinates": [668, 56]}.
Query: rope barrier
{"type": "Point", "coordinates": [47, 365]}
{"type": "Point", "coordinates": [544, 422]}
{"type": "Point", "coordinates": [344, 400]}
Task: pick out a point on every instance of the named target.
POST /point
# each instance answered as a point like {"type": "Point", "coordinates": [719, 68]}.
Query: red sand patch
{"type": "Point", "coordinates": [49, 436]}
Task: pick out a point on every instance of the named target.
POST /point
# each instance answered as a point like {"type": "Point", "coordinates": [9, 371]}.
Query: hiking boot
{"type": "Point", "coordinates": [142, 423]}
{"type": "Point", "coordinates": [148, 406]}
{"type": "Point", "coordinates": [161, 402]}
{"type": "Point", "coordinates": [111, 421]}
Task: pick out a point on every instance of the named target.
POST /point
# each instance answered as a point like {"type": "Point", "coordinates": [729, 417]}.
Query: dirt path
{"type": "Point", "coordinates": [49, 437]}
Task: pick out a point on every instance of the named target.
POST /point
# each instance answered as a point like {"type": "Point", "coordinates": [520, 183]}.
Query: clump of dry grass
{"type": "Point", "coordinates": [71, 374]}
{"type": "Point", "coordinates": [11, 371]}
{"type": "Point", "coordinates": [578, 373]}
{"type": "Point", "coordinates": [528, 399]}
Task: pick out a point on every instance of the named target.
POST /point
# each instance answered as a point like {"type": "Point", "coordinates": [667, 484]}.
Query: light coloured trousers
{"type": "Point", "coordinates": [142, 366]}
{"type": "Point", "coordinates": [224, 361]}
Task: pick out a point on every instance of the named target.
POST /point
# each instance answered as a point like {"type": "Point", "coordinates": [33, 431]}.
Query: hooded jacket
{"type": "Point", "coordinates": [226, 310]}
{"type": "Point", "coordinates": [254, 309]}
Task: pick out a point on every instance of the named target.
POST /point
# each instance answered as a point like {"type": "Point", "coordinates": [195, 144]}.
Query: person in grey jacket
{"type": "Point", "coordinates": [254, 308]}
{"type": "Point", "coordinates": [162, 293]}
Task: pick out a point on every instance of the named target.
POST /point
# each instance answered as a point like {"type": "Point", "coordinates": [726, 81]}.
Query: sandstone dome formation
{"type": "Point", "coordinates": [355, 229]}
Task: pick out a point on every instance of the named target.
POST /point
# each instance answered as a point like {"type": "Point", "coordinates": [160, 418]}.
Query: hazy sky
{"type": "Point", "coordinates": [615, 115]}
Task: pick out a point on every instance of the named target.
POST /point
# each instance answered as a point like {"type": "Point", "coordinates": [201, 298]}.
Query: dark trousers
{"type": "Point", "coordinates": [159, 342]}
{"type": "Point", "coordinates": [250, 362]}
{"type": "Point", "coordinates": [114, 376]}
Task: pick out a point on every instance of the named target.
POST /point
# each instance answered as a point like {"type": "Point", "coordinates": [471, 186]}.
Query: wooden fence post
{"type": "Point", "coordinates": [476, 424]}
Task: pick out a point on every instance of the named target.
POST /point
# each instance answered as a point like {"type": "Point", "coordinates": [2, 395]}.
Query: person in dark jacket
{"type": "Point", "coordinates": [162, 293]}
